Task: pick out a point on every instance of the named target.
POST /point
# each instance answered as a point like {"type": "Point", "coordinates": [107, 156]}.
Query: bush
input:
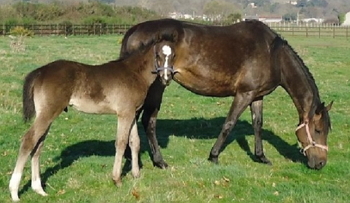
{"type": "Point", "coordinates": [21, 31]}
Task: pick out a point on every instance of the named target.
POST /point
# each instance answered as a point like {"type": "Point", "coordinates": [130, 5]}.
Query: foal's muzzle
{"type": "Point", "coordinates": [165, 73]}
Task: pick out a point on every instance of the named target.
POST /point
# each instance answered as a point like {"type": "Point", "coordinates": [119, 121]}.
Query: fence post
{"type": "Point", "coordinates": [307, 34]}
{"type": "Point", "coordinates": [319, 31]}
{"type": "Point", "coordinates": [347, 32]}
{"type": "Point", "coordinates": [333, 31]}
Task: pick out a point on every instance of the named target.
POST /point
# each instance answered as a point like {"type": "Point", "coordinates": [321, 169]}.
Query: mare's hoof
{"type": "Point", "coordinates": [213, 158]}
{"type": "Point", "coordinates": [161, 164]}
{"type": "Point", "coordinates": [263, 160]}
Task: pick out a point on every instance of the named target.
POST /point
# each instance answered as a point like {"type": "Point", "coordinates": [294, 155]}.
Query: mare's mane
{"type": "Point", "coordinates": [300, 62]}
{"type": "Point", "coordinates": [309, 77]}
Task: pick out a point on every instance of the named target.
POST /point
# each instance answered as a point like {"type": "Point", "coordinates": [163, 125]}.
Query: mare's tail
{"type": "Point", "coordinates": [28, 99]}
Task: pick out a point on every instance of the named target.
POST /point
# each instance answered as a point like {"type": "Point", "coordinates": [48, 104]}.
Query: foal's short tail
{"type": "Point", "coordinates": [28, 99]}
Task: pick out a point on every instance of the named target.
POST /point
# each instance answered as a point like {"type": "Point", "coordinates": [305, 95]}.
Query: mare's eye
{"type": "Point", "coordinates": [318, 131]}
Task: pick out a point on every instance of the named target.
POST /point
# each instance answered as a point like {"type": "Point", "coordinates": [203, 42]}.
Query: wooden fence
{"type": "Point", "coordinates": [320, 31]}
{"type": "Point", "coordinates": [57, 29]}
{"type": "Point", "coordinates": [101, 29]}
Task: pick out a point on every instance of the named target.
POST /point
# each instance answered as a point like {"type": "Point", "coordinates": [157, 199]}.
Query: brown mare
{"type": "Point", "coordinates": [117, 87]}
{"type": "Point", "coordinates": [246, 60]}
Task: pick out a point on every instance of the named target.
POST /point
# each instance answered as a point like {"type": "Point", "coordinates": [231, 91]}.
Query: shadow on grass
{"type": "Point", "coordinates": [195, 128]}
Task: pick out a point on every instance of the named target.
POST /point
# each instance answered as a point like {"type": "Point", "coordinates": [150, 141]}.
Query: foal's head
{"type": "Point", "coordinates": [164, 52]}
{"type": "Point", "coordinates": [313, 137]}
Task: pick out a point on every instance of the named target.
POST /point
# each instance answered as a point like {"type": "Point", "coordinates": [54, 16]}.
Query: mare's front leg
{"type": "Point", "coordinates": [125, 124]}
{"type": "Point", "coordinates": [256, 108]}
{"type": "Point", "coordinates": [239, 104]}
{"type": "Point", "coordinates": [149, 119]}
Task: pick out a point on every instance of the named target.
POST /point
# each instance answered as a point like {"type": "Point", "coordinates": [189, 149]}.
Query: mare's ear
{"type": "Point", "coordinates": [329, 106]}
{"type": "Point", "coordinates": [320, 108]}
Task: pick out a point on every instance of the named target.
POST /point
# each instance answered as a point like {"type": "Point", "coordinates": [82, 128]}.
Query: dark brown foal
{"type": "Point", "coordinates": [117, 87]}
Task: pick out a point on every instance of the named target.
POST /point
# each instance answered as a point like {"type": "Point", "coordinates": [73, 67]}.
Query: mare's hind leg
{"type": "Point", "coordinates": [134, 143]}
{"type": "Point", "coordinates": [239, 104]}
{"type": "Point", "coordinates": [257, 121]}
{"type": "Point", "coordinates": [125, 123]}
{"type": "Point", "coordinates": [31, 144]}
{"type": "Point", "coordinates": [149, 120]}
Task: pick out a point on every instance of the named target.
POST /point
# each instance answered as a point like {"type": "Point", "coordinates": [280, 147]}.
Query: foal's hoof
{"type": "Point", "coordinates": [14, 197]}
{"type": "Point", "coordinates": [213, 158]}
{"type": "Point", "coordinates": [135, 174]}
{"type": "Point", "coordinates": [118, 182]}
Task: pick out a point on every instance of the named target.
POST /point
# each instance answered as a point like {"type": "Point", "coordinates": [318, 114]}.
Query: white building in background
{"type": "Point", "coordinates": [312, 20]}
{"type": "Point", "coordinates": [347, 19]}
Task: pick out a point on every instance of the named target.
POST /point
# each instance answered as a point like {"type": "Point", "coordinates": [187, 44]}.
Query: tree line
{"type": "Point", "coordinates": [27, 13]}
{"type": "Point", "coordinates": [135, 11]}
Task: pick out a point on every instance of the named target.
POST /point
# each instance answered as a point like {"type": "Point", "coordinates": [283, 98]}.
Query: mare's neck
{"type": "Point", "coordinates": [300, 85]}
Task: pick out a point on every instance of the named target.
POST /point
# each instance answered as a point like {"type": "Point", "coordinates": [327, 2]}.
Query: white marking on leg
{"type": "Point", "coordinates": [134, 142]}
{"type": "Point", "coordinates": [14, 185]}
{"type": "Point", "coordinates": [36, 186]}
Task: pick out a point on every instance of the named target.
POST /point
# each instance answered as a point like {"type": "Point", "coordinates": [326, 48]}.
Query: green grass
{"type": "Point", "coordinates": [77, 158]}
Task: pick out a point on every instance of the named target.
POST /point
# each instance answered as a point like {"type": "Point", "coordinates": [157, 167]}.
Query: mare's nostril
{"type": "Point", "coordinates": [320, 165]}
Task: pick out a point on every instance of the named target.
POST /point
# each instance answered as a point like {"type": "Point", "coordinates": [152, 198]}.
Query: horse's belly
{"type": "Point", "coordinates": [207, 86]}
{"type": "Point", "coordinates": [90, 106]}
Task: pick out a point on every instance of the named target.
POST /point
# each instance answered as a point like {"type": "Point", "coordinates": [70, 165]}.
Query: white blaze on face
{"type": "Point", "coordinates": [167, 52]}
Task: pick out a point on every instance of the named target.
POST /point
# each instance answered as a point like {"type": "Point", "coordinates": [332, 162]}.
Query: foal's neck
{"type": "Point", "coordinates": [142, 62]}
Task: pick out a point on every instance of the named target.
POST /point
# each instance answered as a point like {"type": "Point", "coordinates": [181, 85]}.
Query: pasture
{"type": "Point", "coordinates": [78, 154]}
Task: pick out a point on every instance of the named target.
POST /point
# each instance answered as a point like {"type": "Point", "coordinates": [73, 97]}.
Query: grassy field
{"type": "Point", "coordinates": [77, 158]}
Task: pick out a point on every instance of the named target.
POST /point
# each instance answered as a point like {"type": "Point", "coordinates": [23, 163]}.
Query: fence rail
{"type": "Point", "coordinates": [57, 29]}
{"type": "Point", "coordinates": [313, 31]}
{"type": "Point", "coordinates": [101, 29]}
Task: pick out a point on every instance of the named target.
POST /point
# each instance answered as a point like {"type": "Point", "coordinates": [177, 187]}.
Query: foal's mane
{"type": "Point", "coordinates": [151, 42]}
{"type": "Point", "coordinates": [141, 50]}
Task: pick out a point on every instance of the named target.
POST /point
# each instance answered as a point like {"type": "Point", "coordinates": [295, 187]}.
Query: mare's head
{"type": "Point", "coordinates": [164, 52]}
{"type": "Point", "coordinates": [312, 135]}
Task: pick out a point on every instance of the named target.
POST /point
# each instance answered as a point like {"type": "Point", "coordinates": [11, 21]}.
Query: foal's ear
{"type": "Point", "coordinates": [175, 35]}
{"type": "Point", "coordinates": [157, 37]}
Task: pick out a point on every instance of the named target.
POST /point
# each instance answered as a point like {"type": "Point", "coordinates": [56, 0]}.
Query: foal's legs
{"type": "Point", "coordinates": [239, 104]}
{"type": "Point", "coordinates": [36, 180]}
{"type": "Point", "coordinates": [256, 108]}
{"type": "Point", "coordinates": [125, 126]}
{"type": "Point", "coordinates": [134, 143]}
{"type": "Point", "coordinates": [31, 145]}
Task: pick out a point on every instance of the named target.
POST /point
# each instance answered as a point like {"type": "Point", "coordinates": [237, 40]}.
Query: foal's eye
{"type": "Point", "coordinates": [318, 131]}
